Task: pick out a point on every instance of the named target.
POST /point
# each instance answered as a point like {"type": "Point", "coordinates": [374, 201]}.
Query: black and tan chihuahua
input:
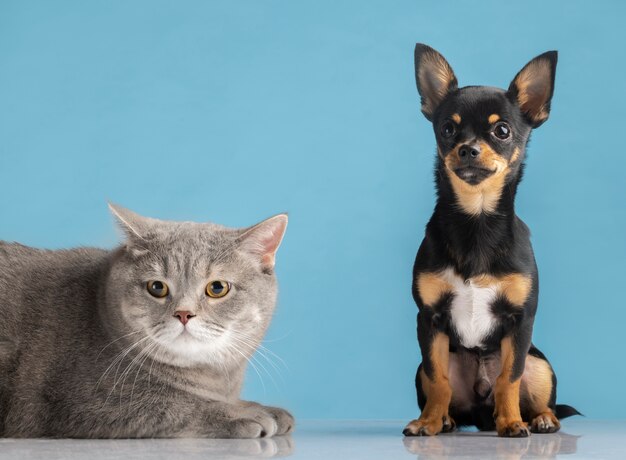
{"type": "Point", "coordinates": [475, 278]}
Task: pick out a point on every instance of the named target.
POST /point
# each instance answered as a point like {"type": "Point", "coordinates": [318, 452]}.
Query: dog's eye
{"type": "Point", "coordinates": [502, 130]}
{"type": "Point", "coordinates": [157, 288]}
{"type": "Point", "coordinates": [217, 289]}
{"type": "Point", "coordinates": [447, 130]}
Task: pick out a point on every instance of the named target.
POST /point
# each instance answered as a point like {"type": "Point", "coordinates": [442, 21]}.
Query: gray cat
{"type": "Point", "coordinates": [148, 340]}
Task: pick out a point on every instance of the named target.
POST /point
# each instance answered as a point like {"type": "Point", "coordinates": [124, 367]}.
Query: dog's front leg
{"type": "Point", "coordinates": [507, 389]}
{"type": "Point", "coordinates": [434, 380]}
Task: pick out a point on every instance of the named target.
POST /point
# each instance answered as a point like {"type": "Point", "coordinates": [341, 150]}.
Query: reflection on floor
{"type": "Point", "coordinates": [344, 440]}
{"type": "Point", "coordinates": [475, 445]}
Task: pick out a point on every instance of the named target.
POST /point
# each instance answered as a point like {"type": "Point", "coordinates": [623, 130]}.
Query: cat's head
{"type": "Point", "coordinates": [194, 293]}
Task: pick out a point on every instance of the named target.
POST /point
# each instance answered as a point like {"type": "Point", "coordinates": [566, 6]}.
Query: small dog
{"type": "Point", "coordinates": [475, 277]}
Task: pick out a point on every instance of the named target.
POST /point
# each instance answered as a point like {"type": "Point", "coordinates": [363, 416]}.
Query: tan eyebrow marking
{"type": "Point", "coordinates": [515, 156]}
{"type": "Point", "coordinates": [456, 118]}
{"type": "Point", "coordinates": [493, 118]}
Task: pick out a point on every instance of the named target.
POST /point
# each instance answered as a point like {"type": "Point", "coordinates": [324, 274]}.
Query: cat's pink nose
{"type": "Point", "coordinates": [184, 316]}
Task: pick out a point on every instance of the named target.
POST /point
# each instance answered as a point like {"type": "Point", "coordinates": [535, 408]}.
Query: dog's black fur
{"type": "Point", "coordinates": [481, 135]}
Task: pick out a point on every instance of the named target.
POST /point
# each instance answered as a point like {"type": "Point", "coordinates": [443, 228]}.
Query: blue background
{"type": "Point", "coordinates": [232, 111]}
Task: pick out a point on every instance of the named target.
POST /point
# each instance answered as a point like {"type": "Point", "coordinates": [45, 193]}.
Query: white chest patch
{"type": "Point", "coordinates": [470, 311]}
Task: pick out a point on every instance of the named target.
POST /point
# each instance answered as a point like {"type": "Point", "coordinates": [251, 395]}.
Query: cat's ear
{"type": "Point", "coordinates": [135, 227]}
{"type": "Point", "coordinates": [263, 239]}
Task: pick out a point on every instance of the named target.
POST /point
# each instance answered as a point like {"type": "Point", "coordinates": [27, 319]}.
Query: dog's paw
{"type": "Point", "coordinates": [512, 428]}
{"type": "Point", "coordinates": [449, 424]}
{"type": "Point", "coordinates": [429, 426]}
{"type": "Point", "coordinates": [545, 423]}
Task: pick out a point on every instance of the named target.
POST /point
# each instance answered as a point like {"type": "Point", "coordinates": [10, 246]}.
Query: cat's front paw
{"type": "Point", "coordinates": [283, 420]}
{"type": "Point", "coordinates": [244, 428]}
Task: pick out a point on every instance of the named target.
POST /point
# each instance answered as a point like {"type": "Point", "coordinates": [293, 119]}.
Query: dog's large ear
{"type": "Point", "coordinates": [533, 86]}
{"type": "Point", "coordinates": [434, 77]}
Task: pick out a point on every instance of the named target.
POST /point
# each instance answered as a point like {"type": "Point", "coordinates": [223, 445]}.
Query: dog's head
{"type": "Point", "coordinates": [482, 131]}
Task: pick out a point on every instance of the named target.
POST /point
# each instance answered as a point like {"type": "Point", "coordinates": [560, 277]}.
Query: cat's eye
{"type": "Point", "coordinates": [502, 130]}
{"type": "Point", "coordinates": [447, 130]}
{"type": "Point", "coordinates": [157, 288]}
{"type": "Point", "coordinates": [217, 289]}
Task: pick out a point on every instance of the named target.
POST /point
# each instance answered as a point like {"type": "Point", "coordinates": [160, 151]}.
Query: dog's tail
{"type": "Point", "coordinates": [563, 411]}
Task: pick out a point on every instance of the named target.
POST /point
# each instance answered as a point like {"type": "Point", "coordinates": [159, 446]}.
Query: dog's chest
{"type": "Point", "coordinates": [470, 311]}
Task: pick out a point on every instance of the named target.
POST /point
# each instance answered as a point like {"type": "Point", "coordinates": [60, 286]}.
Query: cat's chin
{"type": "Point", "coordinates": [186, 349]}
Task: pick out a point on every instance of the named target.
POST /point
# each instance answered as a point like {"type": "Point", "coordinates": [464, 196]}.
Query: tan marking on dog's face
{"type": "Point", "coordinates": [493, 118]}
{"type": "Point", "coordinates": [456, 118]}
{"type": "Point", "coordinates": [482, 197]}
{"type": "Point", "coordinates": [515, 156]}
{"type": "Point", "coordinates": [432, 287]}
{"type": "Point", "coordinates": [515, 287]}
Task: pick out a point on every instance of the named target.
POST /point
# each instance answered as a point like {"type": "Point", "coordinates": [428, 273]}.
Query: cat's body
{"type": "Point", "coordinates": [84, 352]}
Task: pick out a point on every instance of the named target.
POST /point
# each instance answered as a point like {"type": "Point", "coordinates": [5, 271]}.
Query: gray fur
{"type": "Point", "coordinates": [87, 352]}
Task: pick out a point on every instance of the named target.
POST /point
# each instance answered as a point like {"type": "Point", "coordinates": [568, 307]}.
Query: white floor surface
{"type": "Point", "coordinates": [344, 440]}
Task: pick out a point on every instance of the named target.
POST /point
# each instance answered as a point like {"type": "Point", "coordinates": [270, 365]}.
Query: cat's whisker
{"type": "Point", "coordinates": [119, 362]}
{"type": "Point", "coordinates": [159, 349]}
{"type": "Point", "coordinates": [223, 366]}
{"type": "Point", "coordinates": [254, 359]}
{"type": "Point", "coordinates": [120, 356]}
{"type": "Point", "coordinates": [152, 346]}
{"type": "Point", "coordinates": [278, 339]}
{"type": "Point", "coordinates": [216, 327]}
{"type": "Point", "coordinates": [262, 347]}
{"type": "Point", "coordinates": [115, 359]}
{"type": "Point", "coordinates": [161, 383]}
{"type": "Point", "coordinates": [136, 359]}
{"type": "Point", "coordinates": [116, 340]}
{"type": "Point", "coordinates": [224, 370]}
{"type": "Point", "coordinates": [244, 336]}
{"type": "Point", "coordinates": [270, 360]}
{"type": "Point", "coordinates": [254, 349]}
{"type": "Point", "coordinates": [281, 360]}
{"type": "Point", "coordinates": [234, 347]}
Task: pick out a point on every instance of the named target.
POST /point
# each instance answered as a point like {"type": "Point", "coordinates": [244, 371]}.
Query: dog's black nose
{"type": "Point", "coordinates": [469, 151]}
